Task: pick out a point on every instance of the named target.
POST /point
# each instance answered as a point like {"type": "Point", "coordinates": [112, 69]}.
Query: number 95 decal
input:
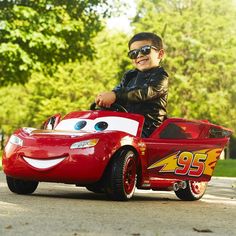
{"type": "Point", "coordinates": [190, 164]}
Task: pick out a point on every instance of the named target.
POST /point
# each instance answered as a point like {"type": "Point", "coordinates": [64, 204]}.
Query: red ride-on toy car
{"type": "Point", "coordinates": [104, 151]}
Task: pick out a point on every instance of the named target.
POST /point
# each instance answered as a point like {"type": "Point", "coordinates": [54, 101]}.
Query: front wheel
{"type": "Point", "coordinates": [194, 191]}
{"type": "Point", "coordinates": [21, 186]}
{"type": "Point", "coordinates": [95, 188]}
{"type": "Point", "coordinates": [121, 179]}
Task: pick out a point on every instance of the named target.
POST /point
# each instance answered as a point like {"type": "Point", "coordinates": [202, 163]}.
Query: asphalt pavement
{"type": "Point", "coordinates": [60, 209]}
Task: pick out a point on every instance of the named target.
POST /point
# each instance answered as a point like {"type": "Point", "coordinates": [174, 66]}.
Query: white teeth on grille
{"type": "Point", "coordinates": [43, 164]}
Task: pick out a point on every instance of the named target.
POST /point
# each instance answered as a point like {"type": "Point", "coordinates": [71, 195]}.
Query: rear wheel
{"type": "Point", "coordinates": [21, 186]}
{"type": "Point", "coordinates": [193, 191]}
{"type": "Point", "coordinates": [121, 179]}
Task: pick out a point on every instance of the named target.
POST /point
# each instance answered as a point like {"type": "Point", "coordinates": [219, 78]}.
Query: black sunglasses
{"type": "Point", "coordinates": [145, 50]}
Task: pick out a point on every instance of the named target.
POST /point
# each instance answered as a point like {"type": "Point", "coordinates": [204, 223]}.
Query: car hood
{"type": "Point", "coordinates": [64, 137]}
{"type": "Point", "coordinates": [60, 133]}
{"type": "Point", "coordinates": [59, 141]}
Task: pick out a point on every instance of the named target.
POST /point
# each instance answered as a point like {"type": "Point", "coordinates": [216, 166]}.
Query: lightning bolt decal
{"type": "Point", "coordinates": [169, 163]}
{"type": "Point", "coordinates": [213, 157]}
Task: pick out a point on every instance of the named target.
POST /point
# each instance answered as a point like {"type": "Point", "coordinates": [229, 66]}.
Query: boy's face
{"type": "Point", "coordinates": [146, 62]}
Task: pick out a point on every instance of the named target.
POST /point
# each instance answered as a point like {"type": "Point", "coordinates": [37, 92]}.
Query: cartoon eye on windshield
{"type": "Point", "coordinates": [80, 125]}
{"type": "Point", "coordinates": [100, 126]}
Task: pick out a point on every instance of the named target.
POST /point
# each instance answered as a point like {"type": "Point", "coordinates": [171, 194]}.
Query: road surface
{"type": "Point", "coordinates": [65, 210]}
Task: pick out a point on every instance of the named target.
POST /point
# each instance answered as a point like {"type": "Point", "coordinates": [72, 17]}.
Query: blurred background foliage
{"type": "Point", "coordinates": [56, 55]}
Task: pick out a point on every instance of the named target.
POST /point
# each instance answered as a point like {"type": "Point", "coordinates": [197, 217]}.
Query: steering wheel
{"type": "Point", "coordinates": [113, 107]}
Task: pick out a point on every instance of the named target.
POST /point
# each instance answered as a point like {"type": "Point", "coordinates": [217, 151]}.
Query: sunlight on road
{"type": "Point", "coordinates": [222, 200]}
{"type": "Point", "coordinates": [3, 185]}
{"type": "Point", "coordinates": [8, 208]}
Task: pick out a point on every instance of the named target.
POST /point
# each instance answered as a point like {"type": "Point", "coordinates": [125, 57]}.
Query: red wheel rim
{"type": "Point", "coordinates": [129, 175]}
{"type": "Point", "coordinates": [197, 187]}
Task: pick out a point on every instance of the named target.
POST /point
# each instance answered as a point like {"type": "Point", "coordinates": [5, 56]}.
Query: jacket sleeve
{"type": "Point", "coordinates": [157, 86]}
{"type": "Point", "coordinates": [120, 90]}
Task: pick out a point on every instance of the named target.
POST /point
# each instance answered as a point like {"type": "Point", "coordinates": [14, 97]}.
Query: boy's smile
{"type": "Point", "coordinates": [146, 62]}
{"type": "Point", "coordinates": [142, 60]}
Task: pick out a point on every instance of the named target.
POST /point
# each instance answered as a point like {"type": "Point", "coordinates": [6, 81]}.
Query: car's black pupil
{"type": "Point", "coordinates": [100, 126]}
{"type": "Point", "coordinates": [80, 125]}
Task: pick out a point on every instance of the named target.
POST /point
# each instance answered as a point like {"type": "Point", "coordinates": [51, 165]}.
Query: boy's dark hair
{"type": "Point", "coordinates": [155, 39]}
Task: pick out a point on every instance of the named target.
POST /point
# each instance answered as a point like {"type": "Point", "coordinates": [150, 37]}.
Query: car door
{"type": "Point", "coordinates": [180, 151]}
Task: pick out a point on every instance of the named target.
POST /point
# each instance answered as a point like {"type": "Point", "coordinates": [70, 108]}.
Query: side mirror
{"type": "Point", "coordinates": [52, 122]}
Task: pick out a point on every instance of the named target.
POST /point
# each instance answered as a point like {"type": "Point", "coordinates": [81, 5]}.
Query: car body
{"type": "Point", "coordinates": [104, 151]}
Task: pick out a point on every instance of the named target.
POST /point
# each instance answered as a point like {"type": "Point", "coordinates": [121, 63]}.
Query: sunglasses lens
{"type": "Point", "coordinates": [145, 50]}
{"type": "Point", "coordinates": [133, 54]}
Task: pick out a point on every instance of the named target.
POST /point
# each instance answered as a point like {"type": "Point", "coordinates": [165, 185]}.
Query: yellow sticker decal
{"type": "Point", "coordinates": [187, 163]}
{"type": "Point", "coordinates": [168, 163]}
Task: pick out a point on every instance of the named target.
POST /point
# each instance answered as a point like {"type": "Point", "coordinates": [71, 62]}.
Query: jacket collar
{"type": "Point", "coordinates": [147, 73]}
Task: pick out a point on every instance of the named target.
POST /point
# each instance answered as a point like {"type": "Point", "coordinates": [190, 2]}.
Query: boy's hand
{"type": "Point", "coordinates": [105, 99]}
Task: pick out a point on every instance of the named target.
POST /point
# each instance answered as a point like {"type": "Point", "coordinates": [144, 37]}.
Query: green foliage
{"type": "Point", "coordinates": [73, 86]}
{"type": "Point", "coordinates": [51, 49]}
{"type": "Point", "coordinates": [201, 54]}
{"type": "Point", "coordinates": [39, 35]}
{"type": "Point", "coordinates": [13, 106]}
{"type": "Point", "coordinates": [225, 168]}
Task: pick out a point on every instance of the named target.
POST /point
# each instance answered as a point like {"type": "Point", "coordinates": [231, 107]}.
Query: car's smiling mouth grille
{"type": "Point", "coordinates": [43, 164]}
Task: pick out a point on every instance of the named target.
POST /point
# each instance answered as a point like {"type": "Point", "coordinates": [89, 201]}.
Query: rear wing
{"type": "Point", "coordinates": [175, 128]}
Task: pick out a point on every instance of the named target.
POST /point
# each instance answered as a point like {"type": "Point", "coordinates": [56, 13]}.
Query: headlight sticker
{"type": "Point", "coordinates": [84, 144]}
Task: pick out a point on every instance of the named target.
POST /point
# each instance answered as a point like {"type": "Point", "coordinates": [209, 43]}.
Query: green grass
{"type": "Point", "coordinates": [225, 168]}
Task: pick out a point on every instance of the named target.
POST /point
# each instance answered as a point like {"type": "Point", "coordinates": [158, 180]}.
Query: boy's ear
{"type": "Point", "coordinates": [161, 54]}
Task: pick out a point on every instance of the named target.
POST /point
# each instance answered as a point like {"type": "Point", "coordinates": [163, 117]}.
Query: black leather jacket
{"type": "Point", "coordinates": [145, 93]}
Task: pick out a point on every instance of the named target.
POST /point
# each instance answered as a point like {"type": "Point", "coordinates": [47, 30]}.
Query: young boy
{"type": "Point", "coordinates": [143, 90]}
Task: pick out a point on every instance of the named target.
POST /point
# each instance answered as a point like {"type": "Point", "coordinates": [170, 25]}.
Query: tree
{"type": "Point", "coordinates": [40, 35]}
{"type": "Point", "coordinates": [73, 86]}
{"type": "Point", "coordinates": [201, 54]}
{"type": "Point", "coordinates": [13, 107]}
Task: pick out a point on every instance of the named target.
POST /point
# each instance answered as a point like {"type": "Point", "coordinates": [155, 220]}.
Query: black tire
{"type": "Point", "coordinates": [121, 178]}
{"type": "Point", "coordinates": [21, 186]}
{"type": "Point", "coordinates": [95, 188]}
{"type": "Point", "coordinates": [194, 191]}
